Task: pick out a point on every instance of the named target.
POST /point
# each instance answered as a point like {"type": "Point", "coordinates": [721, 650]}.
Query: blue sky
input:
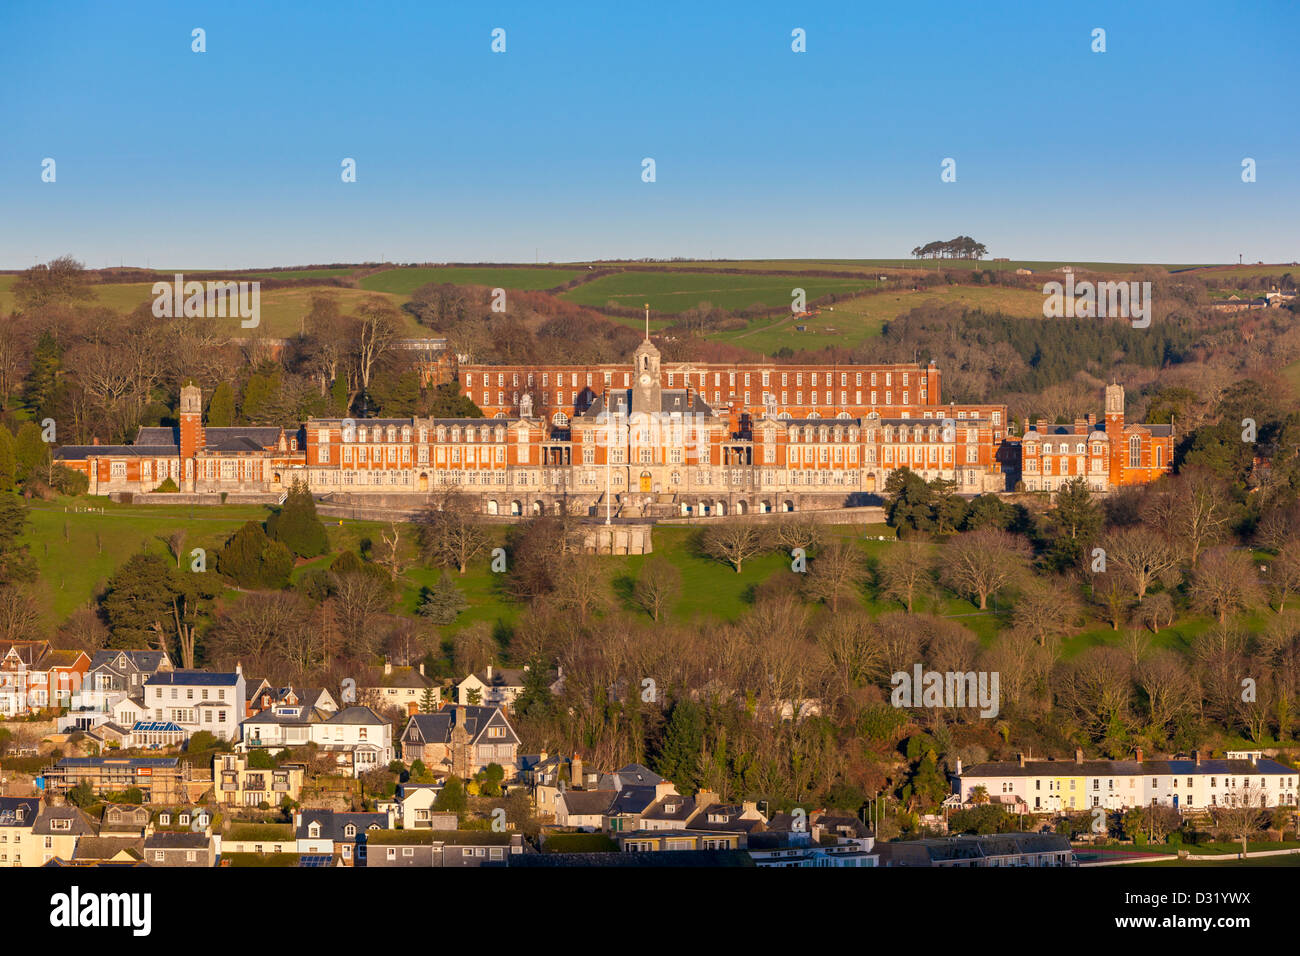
{"type": "Point", "coordinates": [231, 158]}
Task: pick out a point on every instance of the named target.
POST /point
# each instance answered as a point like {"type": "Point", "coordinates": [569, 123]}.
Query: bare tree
{"type": "Point", "coordinates": [1224, 583]}
{"type": "Point", "coordinates": [473, 649]}
{"type": "Point", "coordinates": [905, 571]}
{"type": "Point", "coordinates": [1194, 507]}
{"type": "Point", "coordinates": [1046, 609]}
{"type": "Point", "coordinates": [798, 533]}
{"type": "Point", "coordinates": [836, 572]}
{"type": "Point", "coordinates": [1143, 553]}
{"type": "Point", "coordinates": [376, 331]}
{"type": "Point", "coordinates": [982, 562]}
{"type": "Point", "coordinates": [1168, 688]}
{"type": "Point", "coordinates": [734, 542]}
{"type": "Point", "coordinates": [450, 533]}
{"type": "Point", "coordinates": [1243, 816]}
{"type": "Point", "coordinates": [658, 584]}
{"type": "Point", "coordinates": [1284, 572]}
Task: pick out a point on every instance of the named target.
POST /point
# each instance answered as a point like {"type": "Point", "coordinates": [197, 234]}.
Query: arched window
{"type": "Point", "coordinates": [1135, 452]}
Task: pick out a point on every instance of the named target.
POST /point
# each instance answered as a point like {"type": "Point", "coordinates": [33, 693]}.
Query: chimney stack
{"type": "Point", "coordinates": [388, 667]}
{"type": "Point", "coordinates": [1078, 755]}
{"type": "Point", "coordinates": [489, 672]}
{"type": "Point", "coordinates": [575, 770]}
{"type": "Point", "coordinates": [1139, 755]}
{"type": "Point", "coordinates": [1197, 755]}
{"type": "Point", "coordinates": [1022, 758]}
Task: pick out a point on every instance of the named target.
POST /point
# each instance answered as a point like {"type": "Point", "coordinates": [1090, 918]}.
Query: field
{"type": "Point", "coordinates": [871, 267]}
{"type": "Point", "coordinates": [406, 281]}
{"type": "Point", "coordinates": [850, 323]}
{"type": "Point", "coordinates": [678, 291]}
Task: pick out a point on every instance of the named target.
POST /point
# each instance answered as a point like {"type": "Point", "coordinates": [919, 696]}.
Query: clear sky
{"type": "Point", "coordinates": [231, 158]}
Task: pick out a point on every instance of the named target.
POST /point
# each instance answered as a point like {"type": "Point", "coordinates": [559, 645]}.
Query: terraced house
{"type": "Point", "coordinates": [1051, 786]}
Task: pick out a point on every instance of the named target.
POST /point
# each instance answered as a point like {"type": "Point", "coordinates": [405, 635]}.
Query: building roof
{"type": "Point", "coordinates": [587, 802]}
{"type": "Point", "coordinates": [144, 660]}
{"type": "Point", "coordinates": [437, 727]}
{"type": "Point", "coordinates": [333, 824]}
{"type": "Point", "coordinates": [10, 807]}
{"type": "Point", "coordinates": [195, 678]}
{"type": "Point", "coordinates": [356, 714]}
{"type": "Point", "coordinates": [1092, 768]}
{"type": "Point", "coordinates": [107, 847]}
{"type": "Point", "coordinates": [177, 840]}
{"type": "Point", "coordinates": [78, 825]}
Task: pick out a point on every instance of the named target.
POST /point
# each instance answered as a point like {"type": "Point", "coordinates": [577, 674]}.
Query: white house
{"type": "Point", "coordinates": [197, 700]}
{"type": "Point", "coordinates": [1053, 786]}
{"type": "Point", "coordinates": [361, 739]}
{"type": "Point", "coordinates": [500, 686]}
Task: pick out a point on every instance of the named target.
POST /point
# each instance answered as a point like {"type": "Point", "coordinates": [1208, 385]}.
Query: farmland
{"type": "Point", "coordinates": [405, 281]}
{"type": "Point", "coordinates": [677, 291]}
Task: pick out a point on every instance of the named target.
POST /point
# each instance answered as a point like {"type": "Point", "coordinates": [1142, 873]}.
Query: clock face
{"type": "Point", "coordinates": [645, 379]}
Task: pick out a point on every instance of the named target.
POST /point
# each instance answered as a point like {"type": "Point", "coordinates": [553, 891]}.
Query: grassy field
{"type": "Point", "coordinates": [406, 281]}
{"type": "Point", "coordinates": [1243, 271]}
{"type": "Point", "coordinates": [678, 291]}
{"type": "Point", "coordinates": [871, 266]}
{"type": "Point", "coordinates": [850, 323]}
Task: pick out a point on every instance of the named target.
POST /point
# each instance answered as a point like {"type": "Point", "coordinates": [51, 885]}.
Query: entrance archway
{"type": "Point", "coordinates": [423, 483]}
{"type": "Point", "coordinates": [645, 481]}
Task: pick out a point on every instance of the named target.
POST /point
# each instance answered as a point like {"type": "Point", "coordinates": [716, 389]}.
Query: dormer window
{"type": "Point", "coordinates": [350, 830]}
{"type": "Point", "coordinates": [165, 819]}
{"type": "Point", "coordinates": [183, 819]}
{"type": "Point", "coordinates": [314, 830]}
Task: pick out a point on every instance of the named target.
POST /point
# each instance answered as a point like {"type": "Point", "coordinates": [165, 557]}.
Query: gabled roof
{"type": "Point", "coordinates": [587, 802]}
{"type": "Point", "coordinates": [177, 840]}
{"type": "Point", "coordinates": [437, 727]}
{"type": "Point", "coordinates": [130, 660]}
{"type": "Point", "coordinates": [78, 825]}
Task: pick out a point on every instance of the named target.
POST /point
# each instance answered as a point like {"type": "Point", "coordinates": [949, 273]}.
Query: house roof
{"type": "Point", "coordinates": [78, 825]}
{"type": "Point", "coordinates": [1093, 768]}
{"type": "Point", "coordinates": [135, 660]}
{"type": "Point", "coordinates": [107, 847]}
{"type": "Point", "coordinates": [437, 727]}
{"type": "Point", "coordinates": [194, 678]}
{"type": "Point", "coordinates": [397, 677]}
{"type": "Point", "coordinates": [587, 802]}
{"type": "Point", "coordinates": [333, 824]}
{"type": "Point", "coordinates": [9, 807]}
{"type": "Point", "coordinates": [177, 840]}
{"type": "Point", "coordinates": [356, 715]}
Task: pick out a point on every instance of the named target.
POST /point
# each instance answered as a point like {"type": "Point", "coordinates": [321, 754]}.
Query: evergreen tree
{"type": "Point", "coordinates": [221, 409]}
{"type": "Point", "coordinates": [8, 463]}
{"type": "Point", "coordinates": [252, 560]}
{"type": "Point", "coordinates": [452, 797]}
{"type": "Point", "coordinates": [16, 562]}
{"type": "Point", "coordinates": [428, 704]}
{"type": "Point", "coordinates": [339, 396]}
{"type": "Point", "coordinates": [536, 700]}
{"type": "Point", "coordinates": [679, 756]}
{"type": "Point", "coordinates": [138, 602]}
{"type": "Point", "coordinates": [40, 389]}
{"type": "Point", "coordinates": [259, 395]}
{"type": "Point", "coordinates": [296, 526]}
{"type": "Point", "coordinates": [31, 453]}
{"type": "Point", "coordinates": [442, 602]}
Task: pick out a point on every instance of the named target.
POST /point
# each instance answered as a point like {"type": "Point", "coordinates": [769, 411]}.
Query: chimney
{"type": "Point", "coordinates": [95, 440]}
{"type": "Point", "coordinates": [489, 672]}
{"type": "Point", "coordinates": [239, 668]}
{"type": "Point", "coordinates": [1197, 755]}
{"type": "Point", "coordinates": [421, 668]}
{"type": "Point", "coordinates": [1078, 755]}
{"type": "Point", "coordinates": [388, 667]}
{"type": "Point", "coordinates": [959, 766]}
{"type": "Point", "coordinates": [575, 770]}
{"type": "Point", "coordinates": [1139, 755]}
{"type": "Point", "coordinates": [1022, 759]}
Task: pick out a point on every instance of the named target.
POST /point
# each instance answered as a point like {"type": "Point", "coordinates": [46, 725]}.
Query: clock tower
{"type": "Point", "coordinates": [646, 389]}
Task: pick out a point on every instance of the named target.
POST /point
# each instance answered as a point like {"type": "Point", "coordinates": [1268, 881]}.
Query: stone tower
{"type": "Point", "coordinates": [1115, 432]}
{"type": "Point", "coordinates": [646, 387]}
{"type": "Point", "coordinates": [191, 431]}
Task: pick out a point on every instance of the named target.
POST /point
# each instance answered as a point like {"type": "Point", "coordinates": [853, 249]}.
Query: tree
{"type": "Point", "coordinates": [59, 281]}
{"type": "Point", "coordinates": [1284, 572]}
{"type": "Point", "coordinates": [1156, 611]}
{"type": "Point", "coordinates": [138, 600]}
{"type": "Point", "coordinates": [296, 525]}
{"type": "Point", "coordinates": [41, 387]}
{"type": "Point", "coordinates": [1194, 506]}
{"type": "Point", "coordinates": [8, 462]}
{"type": "Point", "coordinates": [1142, 553]}
{"type": "Point", "coordinates": [657, 585]}
{"type": "Point", "coordinates": [1045, 609]}
{"type": "Point", "coordinates": [448, 532]}
{"type": "Point", "coordinates": [1075, 513]}
{"type": "Point", "coordinates": [16, 563]}
{"type": "Point", "coordinates": [735, 541]}
{"type": "Point", "coordinates": [679, 757]}
{"type": "Point", "coordinates": [442, 602]}
{"type": "Point", "coordinates": [909, 501]}
{"type": "Point", "coordinates": [1243, 815]}
{"type": "Point", "coordinates": [1224, 582]}
{"type": "Point", "coordinates": [252, 560]}
{"type": "Point", "coordinates": [221, 407]}
{"type": "Point", "coordinates": [981, 563]}
{"type": "Point", "coordinates": [837, 571]}
{"type": "Point", "coordinates": [905, 571]}
{"type": "Point", "coordinates": [451, 798]}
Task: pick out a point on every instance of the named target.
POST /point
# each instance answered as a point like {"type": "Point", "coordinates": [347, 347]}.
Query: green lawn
{"type": "Point", "coordinates": [405, 281]}
{"type": "Point", "coordinates": [677, 291]}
